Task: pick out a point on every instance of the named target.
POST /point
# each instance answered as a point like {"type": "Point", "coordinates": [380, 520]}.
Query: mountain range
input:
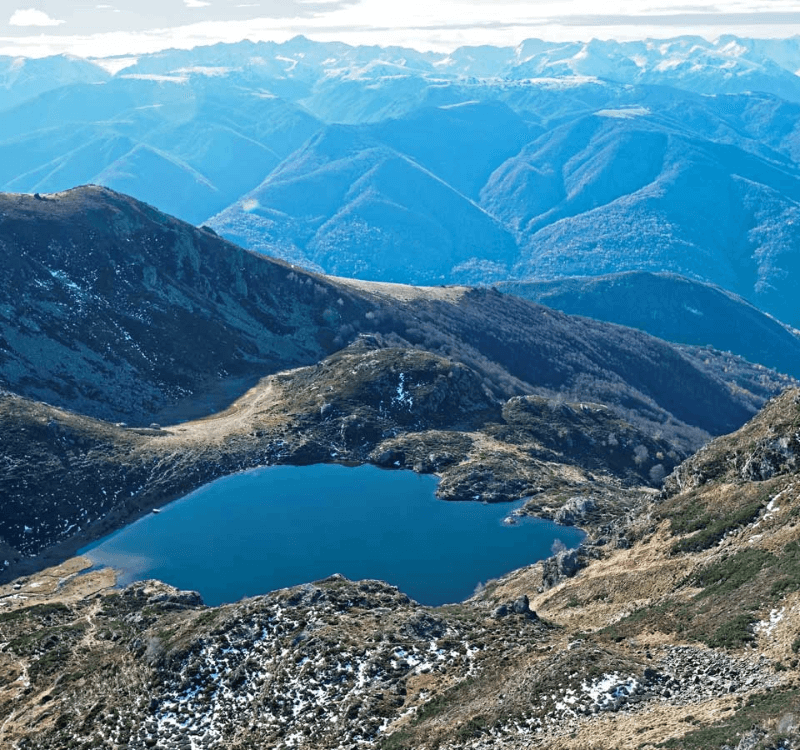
{"type": "Point", "coordinates": [206, 266]}
{"type": "Point", "coordinates": [674, 624]}
{"type": "Point", "coordinates": [134, 318]}
{"type": "Point", "coordinates": [481, 166]}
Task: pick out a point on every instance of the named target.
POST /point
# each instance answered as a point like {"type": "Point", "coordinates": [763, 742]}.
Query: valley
{"type": "Point", "coordinates": [660, 614]}
{"type": "Point", "coordinates": [672, 625]}
{"type": "Point", "coordinates": [467, 383]}
{"type": "Point", "coordinates": [556, 278]}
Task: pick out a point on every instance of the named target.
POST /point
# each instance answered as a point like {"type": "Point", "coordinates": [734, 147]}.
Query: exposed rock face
{"type": "Point", "coordinates": [575, 510]}
{"type": "Point", "coordinates": [563, 564]}
{"type": "Point", "coordinates": [770, 458]}
{"type": "Point", "coordinates": [767, 447]}
{"type": "Point", "coordinates": [519, 606]}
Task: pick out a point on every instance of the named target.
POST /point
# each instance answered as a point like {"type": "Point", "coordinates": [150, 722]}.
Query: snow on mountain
{"type": "Point", "coordinates": [24, 78]}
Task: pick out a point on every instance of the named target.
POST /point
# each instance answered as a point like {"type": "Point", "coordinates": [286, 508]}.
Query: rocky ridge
{"type": "Point", "coordinates": [396, 408]}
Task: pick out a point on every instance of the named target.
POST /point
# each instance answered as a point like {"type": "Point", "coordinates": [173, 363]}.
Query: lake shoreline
{"type": "Point", "coordinates": [122, 516]}
{"type": "Point", "coordinates": [238, 537]}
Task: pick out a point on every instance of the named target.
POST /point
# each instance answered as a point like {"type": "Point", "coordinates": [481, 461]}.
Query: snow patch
{"type": "Point", "coordinates": [766, 627]}
{"type": "Point", "coordinates": [204, 70]}
{"type": "Point", "coordinates": [625, 113]}
{"type": "Point", "coordinates": [403, 397]}
{"type": "Point", "coordinates": [459, 104]}
{"type": "Point", "coordinates": [291, 61]}
{"type": "Point", "coordinates": [156, 77]}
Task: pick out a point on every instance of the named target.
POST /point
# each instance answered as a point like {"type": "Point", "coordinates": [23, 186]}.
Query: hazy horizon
{"type": "Point", "coordinates": [38, 28]}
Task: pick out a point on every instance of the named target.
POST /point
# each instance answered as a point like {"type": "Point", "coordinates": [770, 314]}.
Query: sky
{"type": "Point", "coordinates": [113, 27]}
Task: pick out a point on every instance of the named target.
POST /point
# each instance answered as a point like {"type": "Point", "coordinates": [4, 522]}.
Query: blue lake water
{"type": "Point", "coordinates": [283, 525]}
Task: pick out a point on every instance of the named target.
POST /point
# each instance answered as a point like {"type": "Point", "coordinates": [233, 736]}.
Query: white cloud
{"type": "Point", "coordinates": [440, 25]}
{"type": "Point", "coordinates": [32, 17]}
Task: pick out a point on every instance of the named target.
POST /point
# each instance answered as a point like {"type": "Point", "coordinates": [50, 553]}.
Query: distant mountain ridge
{"type": "Point", "coordinates": [353, 206]}
{"type": "Point", "coordinates": [540, 161]}
{"type": "Point", "coordinates": [613, 193]}
{"type": "Point", "coordinates": [615, 190]}
{"type": "Point", "coordinates": [673, 308]}
{"type": "Point", "coordinates": [188, 150]}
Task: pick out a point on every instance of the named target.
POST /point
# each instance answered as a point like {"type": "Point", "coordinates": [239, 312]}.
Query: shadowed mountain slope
{"type": "Point", "coordinates": [673, 308]}
{"type": "Point", "coordinates": [129, 314]}
{"type": "Point", "coordinates": [461, 143]}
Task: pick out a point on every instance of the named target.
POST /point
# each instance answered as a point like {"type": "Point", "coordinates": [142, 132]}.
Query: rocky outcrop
{"type": "Point", "coordinates": [564, 564]}
{"type": "Point", "coordinates": [766, 447]}
{"type": "Point", "coordinates": [520, 606]}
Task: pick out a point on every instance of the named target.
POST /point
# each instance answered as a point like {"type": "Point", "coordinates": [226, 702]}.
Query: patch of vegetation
{"type": "Point", "coordinates": [51, 662]}
{"type": "Point", "coordinates": [735, 588]}
{"type": "Point", "coordinates": [38, 611]}
{"type": "Point", "coordinates": [166, 635]}
{"type": "Point", "coordinates": [711, 527]}
{"type": "Point", "coordinates": [42, 640]}
{"type": "Point", "coordinates": [207, 617]}
{"type": "Point", "coordinates": [400, 740]}
{"type": "Point", "coordinates": [733, 633]}
{"type": "Point", "coordinates": [728, 574]}
{"type": "Point", "coordinates": [736, 571]}
{"type": "Point", "coordinates": [475, 727]}
{"type": "Point", "coordinates": [91, 717]}
{"type": "Point", "coordinates": [629, 626]}
{"type": "Point", "coordinates": [406, 739]}
{"type": "Point", "coordinates": [788, 567]}
{"type": "Point", "coordinates": [441, 702]}
{"type": "Point", "coordinates": [759, 711]}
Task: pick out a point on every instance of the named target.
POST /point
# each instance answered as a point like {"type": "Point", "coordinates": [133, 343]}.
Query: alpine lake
{"type": "Point", "coordinates": [280, 526]}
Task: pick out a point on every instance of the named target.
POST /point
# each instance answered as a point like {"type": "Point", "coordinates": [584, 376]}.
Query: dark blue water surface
{"type": "Point", "coordinates": [279, 526]}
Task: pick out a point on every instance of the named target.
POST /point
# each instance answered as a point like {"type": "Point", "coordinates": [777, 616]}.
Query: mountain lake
{"type": "Point", "coordinates": [279, 526]}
